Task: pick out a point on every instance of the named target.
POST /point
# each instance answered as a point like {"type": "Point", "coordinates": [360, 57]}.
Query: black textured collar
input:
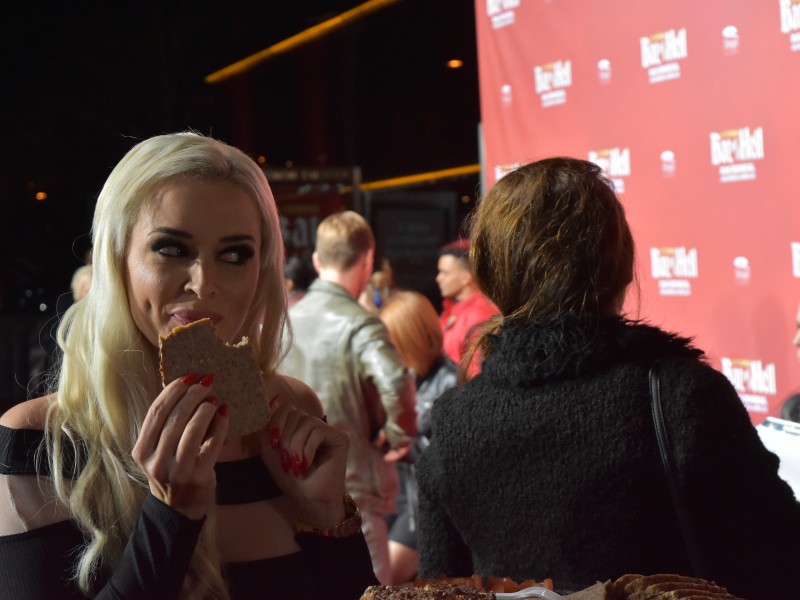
{"type": "Point", "coordinates": [534, 353]}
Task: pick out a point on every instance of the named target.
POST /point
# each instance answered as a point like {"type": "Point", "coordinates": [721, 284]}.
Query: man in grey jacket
{"type": "Point", "coordinates": [343, 352]}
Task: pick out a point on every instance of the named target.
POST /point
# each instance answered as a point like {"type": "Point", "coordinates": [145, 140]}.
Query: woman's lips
{"type": "Point", "coordinates": [184, 317]}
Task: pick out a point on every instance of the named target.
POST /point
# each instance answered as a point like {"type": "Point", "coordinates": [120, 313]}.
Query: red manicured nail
{"type": "Point", "coordinates": [207, 380]}
{"type": "Point", "coordinates": [275, 437]}
{"type": "Point", "coordinates": [285, 460]}
{"type": "Point", "coordinates": [295, 464]}
{"type": "Point", "coordinates": [273, 400]}
{"type": "Point", "coordinates": [189, 378]}
{"type": "Point", "coordinates": [223, 410]}
{"type": "Point", "coordinates": [304, 467]}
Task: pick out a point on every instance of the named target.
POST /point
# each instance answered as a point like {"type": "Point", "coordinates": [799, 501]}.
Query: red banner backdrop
{"type": "Point", "coordinates": [693, 111]}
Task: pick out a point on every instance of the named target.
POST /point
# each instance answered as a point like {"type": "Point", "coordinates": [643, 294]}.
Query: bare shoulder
{"type": "Point", "coordinates": [27, 415]}
{"type": "Point", "coordinates": [300, 394]}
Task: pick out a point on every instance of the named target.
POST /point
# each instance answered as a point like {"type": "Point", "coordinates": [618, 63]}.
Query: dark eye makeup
{"type": "Point", "coordinates": [173, 247]}
{"type": "Point", "coordinates": [168, 246]}
{"type": "Point", "coordinates": [237, 255]}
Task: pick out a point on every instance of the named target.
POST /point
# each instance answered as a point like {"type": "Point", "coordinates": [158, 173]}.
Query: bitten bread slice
{"type": "Point", "coordinates": [238, 381]}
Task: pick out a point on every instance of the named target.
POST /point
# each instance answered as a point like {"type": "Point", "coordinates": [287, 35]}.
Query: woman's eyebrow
{"type": "Point", "coordinates": [241, 237]}
{"type": "Point", "coordinates": [171, 231]}
{"type": "Point", "coordinates": [237, 238]}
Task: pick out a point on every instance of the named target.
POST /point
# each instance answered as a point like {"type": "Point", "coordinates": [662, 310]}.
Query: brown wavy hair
{"type": "Point", "coordinates": [551, 239]}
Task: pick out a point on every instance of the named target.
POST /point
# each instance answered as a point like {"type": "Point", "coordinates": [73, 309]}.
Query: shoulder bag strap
{"type": "Point", "coordinates": [689, 537]}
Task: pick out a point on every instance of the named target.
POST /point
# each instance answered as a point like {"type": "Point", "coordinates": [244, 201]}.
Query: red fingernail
{"type": "Point", "coordinates": [295, 464]}
{"type": "Point", "coordinates": [273, 400]}
{"type": "Point", "coordinates": [189, 378]}
{"type": "Point", "coordinates": [285, 460]}
{"type": "Point", "coordinates": [304, 467]}
{"type": "Point", "coordinates": [212, 400]}
{"type": "Point", "coordinates": [223, 410]}
{"type": "Point", "coordinates": [275, 437]}
{"type": "Point", "coordinates": [207, 380]}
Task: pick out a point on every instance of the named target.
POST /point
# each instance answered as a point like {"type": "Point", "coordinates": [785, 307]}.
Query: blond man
{"type": "Point", "coordinates": [343, 352]}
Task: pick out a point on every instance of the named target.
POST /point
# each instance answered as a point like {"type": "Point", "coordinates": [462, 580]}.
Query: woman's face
{"type": "Point", "coordinates": [194, 252]}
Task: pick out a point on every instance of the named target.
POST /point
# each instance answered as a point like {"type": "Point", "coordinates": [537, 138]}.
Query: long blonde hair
{"type": "Point", "coordinates": [109, 375]}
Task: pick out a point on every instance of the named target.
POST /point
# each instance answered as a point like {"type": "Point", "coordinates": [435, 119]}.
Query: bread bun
{"type": "Point", "coordinates": [238, 380]}
{"type": "Point", "coordinates": [666, 586]}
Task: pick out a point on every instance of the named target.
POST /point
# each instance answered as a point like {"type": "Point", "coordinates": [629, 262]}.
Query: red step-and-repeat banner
{"type": "Point", "coordinates": [692, 108]}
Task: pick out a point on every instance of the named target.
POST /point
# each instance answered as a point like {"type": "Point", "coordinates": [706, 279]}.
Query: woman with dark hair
{"type": "Point", "coordinates": [546, 464]}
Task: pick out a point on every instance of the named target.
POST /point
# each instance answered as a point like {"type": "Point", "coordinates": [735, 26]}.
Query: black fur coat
{"type": "Point", "coordinates": [546, 465]}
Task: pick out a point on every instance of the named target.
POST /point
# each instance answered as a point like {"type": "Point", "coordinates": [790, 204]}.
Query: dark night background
{"type": "Point", "coordinates": [82, 82]}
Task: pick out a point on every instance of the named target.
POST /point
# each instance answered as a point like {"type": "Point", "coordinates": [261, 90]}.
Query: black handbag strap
{"type": "Point", "coordinates": [678, 502]}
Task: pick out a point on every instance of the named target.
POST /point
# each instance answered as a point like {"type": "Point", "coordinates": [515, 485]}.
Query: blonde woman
{"type": "Point", "coordinates": [414, 328]}
{"type": "Point", "coordinates": [113, 487]}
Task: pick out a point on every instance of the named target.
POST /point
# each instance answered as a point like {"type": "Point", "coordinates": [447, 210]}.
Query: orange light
{"type": "Point", "coordinates": [430, 176]}
{"type": "Point", "coordinates": [298, 39]}
{"type": "Point", "coordinates": [41, 196]}
{"type": "Point", "coordinates": [262, 160]}
{"type": "Point", "coordinates": [455, 63]}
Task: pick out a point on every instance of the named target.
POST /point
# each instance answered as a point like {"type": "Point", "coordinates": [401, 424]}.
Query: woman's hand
{"type": "Point", "coordinates": [178, 445]}
{"type": "Point", "coordinates": [307, 459]}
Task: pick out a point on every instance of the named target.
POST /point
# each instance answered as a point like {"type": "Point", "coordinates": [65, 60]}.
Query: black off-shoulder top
{"type": "Point", "coordinates": [39, 563]}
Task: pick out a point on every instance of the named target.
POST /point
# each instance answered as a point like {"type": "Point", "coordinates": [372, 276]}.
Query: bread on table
{"type": "Point", "coordinates": [666, 586]}
{"type": "Point", "coordinates": [627, 587]}
{"type": "Point", "coordinates": [430, 591]}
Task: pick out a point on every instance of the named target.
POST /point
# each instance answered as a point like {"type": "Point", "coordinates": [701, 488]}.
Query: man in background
{"type": "Point", "coordinates": [464, 306]}
{"type": "Point", "coordinates": [343, 352]}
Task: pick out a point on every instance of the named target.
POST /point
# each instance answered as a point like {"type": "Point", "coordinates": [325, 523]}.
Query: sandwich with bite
{"type": "Point", "coordinates": [238, 379]}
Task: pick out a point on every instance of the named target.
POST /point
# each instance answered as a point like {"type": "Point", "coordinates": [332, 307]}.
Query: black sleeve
{"type": "Point", "coordinates": [39, 563]}
{"type": "Point", "coordinates": [746, 517]}
{"type": "Point", "coordinates": [157, 555]}
{"type": "Point", "coordinates": [342, 566]}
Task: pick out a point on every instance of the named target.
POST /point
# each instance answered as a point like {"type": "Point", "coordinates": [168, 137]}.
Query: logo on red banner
{"type": "Point", "coordinates": [673, 268]}
{"type": "Point", "coordinates": [506, 94]}
{"type": "Point", "coordinates": [501, 171]}
{"type": "Point", "coordinates": [616, 164]}
{"type": "Point", "coordinates": [753, 380]}
{"type": "Point", "coordinates": [668, 163]}
{"type": "Point", "coordinates": [734, 151]}
{"type": "Point", "coordinates": [551, 82]}
{"type": "Point", "coordinates": [730, 40]}
{"type": "Point", "coordinates": [790, 22]}
{"type": "Point", "coordinates": [604, 71]}
{"type": "Point", "coordinates": [501, 12]}
{"type": "Point", "coordinates": [741, 270]}
{"type": "Point", "coordinates": [661, 53]}
{"type": "Point", "coordinates": [796, 259]}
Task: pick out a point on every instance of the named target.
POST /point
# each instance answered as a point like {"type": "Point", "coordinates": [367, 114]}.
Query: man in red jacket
{"type": "Point", "coordinates": [464, 305]}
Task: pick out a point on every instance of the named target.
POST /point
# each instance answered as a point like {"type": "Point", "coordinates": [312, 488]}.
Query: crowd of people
{"type": "Point", "coordinates": [507, 434]}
